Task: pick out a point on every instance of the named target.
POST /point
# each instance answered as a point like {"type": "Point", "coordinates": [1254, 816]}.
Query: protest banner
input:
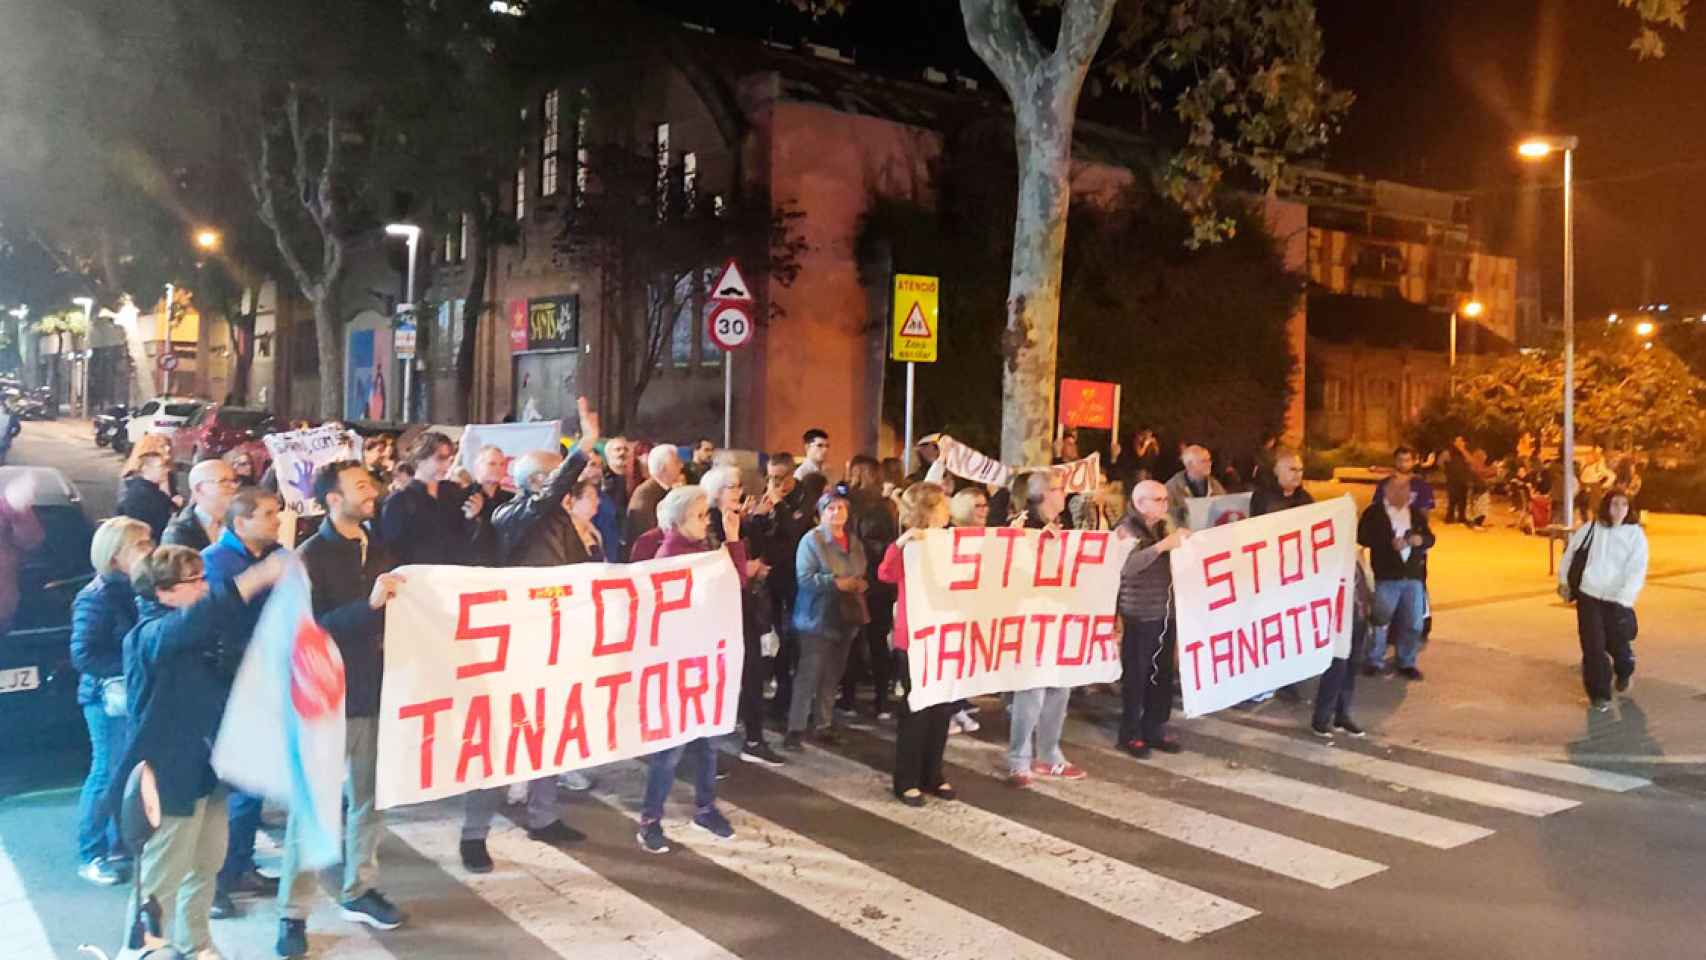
{"type": "Point", "coordinates": [992, 609]}
{"type": "Point", "coordinates": [962, 461]}
{"type": "Point", "coordinates": [282, 736]}
{"type": "Point", "coordinates": [1263, 602]}
{"type": "Point", "coordinates": [495, 677]}
{"type": "Point", "coordinates": [514, 439]}
{"type": "Point", "coordinates": [1204, 512]}
{"type": "Point", "coordinates": [1089, 403]}
{"type": "Point", "coordinates": [1082, 476]}
{"type": "Point", "coordinates": [297, 454]}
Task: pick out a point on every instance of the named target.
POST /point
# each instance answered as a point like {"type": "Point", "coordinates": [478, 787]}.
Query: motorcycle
{"type": "Point", "coordinates": [110, 425]}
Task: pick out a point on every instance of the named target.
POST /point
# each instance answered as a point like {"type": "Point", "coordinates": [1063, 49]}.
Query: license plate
{"type": "Point", "coordinates": [19, 680]}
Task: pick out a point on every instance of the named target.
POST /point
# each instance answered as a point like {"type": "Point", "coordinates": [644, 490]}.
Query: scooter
{"type": "Point", "coordinates": [110, 423]}
{"type": "Point", "coordinates": [139, 817]}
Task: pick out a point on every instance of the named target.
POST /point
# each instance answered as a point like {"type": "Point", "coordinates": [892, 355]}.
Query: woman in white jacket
{"type": "Point", "coordinates": [1615, 571]}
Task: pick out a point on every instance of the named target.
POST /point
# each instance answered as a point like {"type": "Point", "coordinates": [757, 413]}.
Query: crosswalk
{"type": "Point", "coordinates": [1243, 802]}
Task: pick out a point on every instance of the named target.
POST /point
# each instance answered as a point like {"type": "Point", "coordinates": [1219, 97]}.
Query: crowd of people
{"type": "Point", "coordinates": [159, 633]}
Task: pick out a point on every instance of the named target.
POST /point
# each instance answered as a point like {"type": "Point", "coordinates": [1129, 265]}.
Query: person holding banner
{"type": "Point", "coordinates": [1039, 714]}
{"type": "Point", "coordinates": [349, 584]}
{"type": "Point", "coordinates": [1149, 641]}
{"type": "Point", "coordinates": [1398, 539]}
{"type": "Point", "coordinates": [829, 611]}
{"type": "Point", "coordinates": [922, 736]}
{"type": "Point", "coordinates": [722, 486]}
{"type": "Point", "coordinates": [684, 515]}
{"type": "Point", "coordinates": [177, 696]}
{"type": "Point", "coordinates": [1195, 479]}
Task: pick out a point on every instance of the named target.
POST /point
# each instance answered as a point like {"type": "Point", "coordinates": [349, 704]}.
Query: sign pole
{"type": "Point", "coordinates": [728, 394]}
{"type": "Point", "coordinates": [1114, 434]}
{"type": "Point", "coordinates": [906, 455]}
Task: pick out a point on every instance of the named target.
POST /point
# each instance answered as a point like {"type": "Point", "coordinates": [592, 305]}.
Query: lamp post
{"type": "Point", "coordinates": [1472, 310]}
{"type": "Point", "coordinates": [1538, 148]}
{"type": "Point", "coordinates": [165, 331]}
{"type": "Point", "coordinates": [88, 305]}
{"type": "Point", "coordinates": [413, 234]}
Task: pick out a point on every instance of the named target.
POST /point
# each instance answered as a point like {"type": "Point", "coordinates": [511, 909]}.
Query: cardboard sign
{"type": "Point", "coordinates": [992, 609]}
{"type": "Point", "coordinates": [298, 453]}
{"type": "Point", "coordinates": [1204, 512]}
{"type": "Point", "coordinates": [500, 676]}
{"type": "Point", "coordinates": [1263, 602]}
{"type": "Point", "coordinates": [1087, 403]}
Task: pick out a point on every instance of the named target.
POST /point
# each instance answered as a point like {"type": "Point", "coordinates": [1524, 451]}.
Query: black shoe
{"type": "Point", "coordinates": [760, 753]}
{"type": "Point", "coordinates": [912, 798]}
{"type": "Point", "coordinates": [1409, 673]}
{"type": "Point", "coordinates": [251, 883]}
{"type": "Point", "coordinates": [1167, 745]}
{"type": "Point", "coordinates": [944, 792]}
{"type": "Point", "coordinates": [1321, 730]}
{"type": "Point", "coordinates": [1136, 748]}
{"type": "Point", "coordinates": [475, 857]}
{"type": "Point", "coordinates": [1349, 726]}
{"type": "Point", "coordinates": [1370, 670]}
{"type": "Point", "coordinates": [374, 910]}
{"type": "Point", "coordinates": [1622, 684]}
{"type": "Point", "coordinates": [292, 939]}
{"type": "Point", "coordinates": [793, 743]}
{"type": "Point", "coordinates": [223, 906]}
{"type": "Point", "coordinates": [556, 833]}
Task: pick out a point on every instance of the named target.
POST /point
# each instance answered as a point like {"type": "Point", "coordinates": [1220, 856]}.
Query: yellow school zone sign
{"type": "Point", "coordinates": [916, 318]}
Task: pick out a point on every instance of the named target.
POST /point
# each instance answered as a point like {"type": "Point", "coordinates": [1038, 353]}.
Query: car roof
{"type": "Point", "coordinates": [52, 488]}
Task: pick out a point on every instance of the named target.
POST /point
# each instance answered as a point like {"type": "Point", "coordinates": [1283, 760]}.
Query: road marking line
{"type": "Point", "coordinates": [1233, 839]}
{"type": "Point", "coordinates": [1468, 789]}
{"type": "Point", "coordinates": [870, 904]}
{"type": "Point", "coordinates": [1560, 770]}
{"type": "Point", "coordinates": [24, 934]}
{"type": "Point", "coordinates": [1129, 892]}
{"type": "Point", "coordinates": [559, 900]}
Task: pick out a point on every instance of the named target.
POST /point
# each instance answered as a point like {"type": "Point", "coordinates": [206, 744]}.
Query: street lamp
{"type": "Point", "coordinates": [88, 305]}
{"type": "Point", "coordinates": [1645, 328]}
{"type": "Point", "coordinates": [208, 239]}
{"type": "Point", "coordinates": [1538, 148]}
{"type": "Point", "coordinates": [1472, 310]}
{"type": "Point", "coordinates": [413, 234]}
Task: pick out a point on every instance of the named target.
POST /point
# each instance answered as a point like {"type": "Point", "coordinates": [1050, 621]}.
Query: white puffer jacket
{"type": "Point", "coordinates": [1617, 562]}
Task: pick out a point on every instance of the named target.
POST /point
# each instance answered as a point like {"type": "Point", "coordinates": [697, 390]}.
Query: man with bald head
{"type": "Point", "coordinates": [1147, 647]}
{"type": "Point", "coordinates": [212, 485]}
{"type": "Point", "coordinates": [1195, 480]}
{"type": "Point", "coordinates": [1398, 539]}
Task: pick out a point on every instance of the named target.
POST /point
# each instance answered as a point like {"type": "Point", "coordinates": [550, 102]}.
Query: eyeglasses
{"type": "Point", "coordinates": [198, 579]}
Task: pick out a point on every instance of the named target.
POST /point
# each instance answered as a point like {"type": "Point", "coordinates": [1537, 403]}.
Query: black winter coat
{"type": "Point", "coordinates": [186, 530]}
{"type": "Point", "coordinates": [141, 500]}
{"type": "Point", "coordinates": [340, 582]}
{"type": "Point", "coordinates": [101, 614]}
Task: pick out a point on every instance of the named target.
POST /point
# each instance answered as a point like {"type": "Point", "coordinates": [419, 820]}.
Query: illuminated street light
{"type": "Point", "coordinates": [208, 239]}
{"type": "Point", "coordinates": [1472, 309]}
{"type": "Point", "coordinates": [413, 234]}
{"type": "Point", "coordinates": [1537, 148]}
{"type": "Point", "coordinates": [1645, 328]}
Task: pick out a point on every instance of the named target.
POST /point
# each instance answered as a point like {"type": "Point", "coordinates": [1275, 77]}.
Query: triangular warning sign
{"type": "Point", "coordinates": [731, 285]}
{"type": "Point", "coordinates": [915, 327]}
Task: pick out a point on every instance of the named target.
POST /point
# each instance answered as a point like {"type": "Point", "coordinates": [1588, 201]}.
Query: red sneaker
{"type": "Point", "coordinates": [1060, 771]}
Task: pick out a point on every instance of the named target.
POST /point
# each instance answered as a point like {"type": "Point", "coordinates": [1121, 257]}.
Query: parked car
{"type": "Point", "coordinates": [161, 415]}
{"type": "Point", "coordinates": [109, 423]}
{"type": "Point", "coordinates": [214, 429]}
{"type": "Point", "coordinates": [38, 686]}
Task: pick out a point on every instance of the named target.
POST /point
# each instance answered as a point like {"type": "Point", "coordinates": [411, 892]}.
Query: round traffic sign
{"type": "Point", "coordinates": [168, 361]}
{"type": "Point", "coordinates": [730, 325]}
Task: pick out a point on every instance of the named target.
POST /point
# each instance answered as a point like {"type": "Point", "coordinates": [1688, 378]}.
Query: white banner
{"type": "Point", "coordinates": [962, 461]}
{"type": "Point", "coordinates": [514, 439]}
{"type": "Point", "coordinates": [499, 676]}
{"type": "Point", "coordinates": [1204, 512]}
{"type": "Point", "coordinates": [1081, 476]}
{"type": "Point", "coordinates": [992, 609]}
{"type": "Point", "coordinates": [297, 454]}
{"type": "Point", "coordinates": [1263, 602]}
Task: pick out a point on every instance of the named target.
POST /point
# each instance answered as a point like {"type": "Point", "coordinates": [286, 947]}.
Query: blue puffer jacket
{"type": "Point", "coordinates": [101, 614]}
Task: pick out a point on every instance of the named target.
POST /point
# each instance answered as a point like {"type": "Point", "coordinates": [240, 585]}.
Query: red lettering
{"type": "Point", "coordinates": [1296, 538]}
{"type": "Point", "coordinates": [1093, 539]}
{"type": "Point", "coordinates": [685, 578]}
{"type": "Point", "coordinates": [1082, 620]}
{"type": "Point", "coordinates": [466, 631]}
{"type": "Point", "coordinates": [1012, 537]}
{"type": "Point", "coordinates": [614, 682]}
{"type": "Point", "coordinates": [1273, 635]}
{"type": "Point", "coordinates": [1194, 648]}
{"type": "Point", "coordinates": [427, 711]}
{"type": "Point", "coordinates": [1296, 614]}
{"type": "Point", "coordinates": [957, 654]}
{"type": "Point", "coordinates": [554, 595]}
{"type": "Point", "coordinates": [1011, 640]}
{"type": "Point", "coordinates": [1212, 579]}
{"type": "Point", "coordinates": [574, 727]}
{"type": "Point", "coordinates": [982, 646]}
{"type": "Point", "coordinates": [521, 730]}
{"type": "Point", "coordinates": [921, 645]}
{"type": "Point", "coordinates": [722, 679]}
{"type": "Point", "coordinates": [1042, 620]}
{"type": "Point", "coordinates": [962, 534]}
{"type": "Point", "coordinates": [1059, 577]}
{"type": "Point", "coordinates": [685, 691]}
{"type": "Point", "coordinates": [1254, 549]}
{"type": "Point", "coordinates": [476, 738]}
{"type": "Point", "coordinates": [1324, 639]}
{"type": "Point", "coordinates": [1220, 652]}
{"type": "Point", "coordinates": [1317, 542]}
{"type": "Point", "coordinates": [1104, 637]}
{"type": "Point", "coordinates": [599, 589]}
{"type": "Point", "coordinates": [1249, 649]}
{"type": "Point", "coordinates": [660, 673]}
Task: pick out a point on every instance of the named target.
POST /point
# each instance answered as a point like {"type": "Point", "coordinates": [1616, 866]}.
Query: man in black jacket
{"type": "Point", "coordinates": [1398, 539]}
{"type": "Point", "coordinates": [212, 485]}
{"type": "Point", "coordinates": [349, 583]}
{"type": "Point", "coordinates": [432, 519]}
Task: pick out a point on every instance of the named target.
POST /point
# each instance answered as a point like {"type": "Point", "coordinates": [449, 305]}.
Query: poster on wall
{"type": "Point", "coordinates": [553, 323]}
{"type": "Point", "coordinates": [368, 358]}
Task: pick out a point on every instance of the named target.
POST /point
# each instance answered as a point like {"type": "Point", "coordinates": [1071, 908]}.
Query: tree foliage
{"type": "Point", "coordinates": [1656, 16]}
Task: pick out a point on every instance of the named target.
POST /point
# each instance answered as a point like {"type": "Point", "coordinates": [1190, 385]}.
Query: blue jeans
{"type": "Point", "coordinates": [660, 774]}
{"type": "Point", "coordinates": [97, 833]}
{"type": "Point", "coordinates": [243, 813]}
{"type": "Point", "coordinates": [1040, 711]}
{"type": "Point", "coordinates": [1403, 604]}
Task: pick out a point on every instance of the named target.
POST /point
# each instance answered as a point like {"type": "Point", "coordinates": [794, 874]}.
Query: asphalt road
{"type": "Point", "coordinates": [1257, 842]}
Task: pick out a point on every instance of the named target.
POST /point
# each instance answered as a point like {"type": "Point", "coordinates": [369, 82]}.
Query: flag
{"type": "Point", "coordinates": [283, 732]}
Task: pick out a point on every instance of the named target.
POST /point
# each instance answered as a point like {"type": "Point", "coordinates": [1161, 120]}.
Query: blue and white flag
{"type": "Point", "coordinates": [283, 732]}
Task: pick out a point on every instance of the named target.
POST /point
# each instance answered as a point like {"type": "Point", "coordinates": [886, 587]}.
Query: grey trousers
{"type": "Point", "coordinates": [179, 867]}
{"type": "Point", "coordinates": [361, 828]}
{"type": "Point", "coordinates": [481, 806]}
{"type": "Point", "coordinates": [823, 659]}
{"type": "Point", "coordinates": [1040, 711]}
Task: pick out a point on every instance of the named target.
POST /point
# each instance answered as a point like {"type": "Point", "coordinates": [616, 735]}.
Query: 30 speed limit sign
{"type": "Point", "coordinates": [730, 325]}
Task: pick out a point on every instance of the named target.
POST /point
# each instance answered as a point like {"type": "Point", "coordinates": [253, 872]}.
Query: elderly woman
{"type": "Point", "coordinates": [1603, 571]}
{"type": "Point", "coordinates": [101, 614]}
{"type": "Point", "coordinates": [829, 611]}
{"type": "Point", "coordinates": [923, 734]}
{"type": "Point", "coordinates": [1039, 714]}
{"type": "Point", "coordinates": [684, 515]}
{"type": "Point", "coordinates": [725, 492]}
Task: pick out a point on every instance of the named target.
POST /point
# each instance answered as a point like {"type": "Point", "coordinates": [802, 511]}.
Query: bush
{"type": "Point", "coordinates": [1679, 490]}
{"type": "Point", "coordinates": [1319, 464]}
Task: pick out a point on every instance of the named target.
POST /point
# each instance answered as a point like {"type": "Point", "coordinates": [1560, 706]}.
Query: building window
{"type": "Point", "coordinates": [710, 354]}
{"type": "Point", "coordinates": [689, 182]}
{"type": "Point", "coordinates": [548, 136]}
{"type": "Point", "coordinates": [1333, 395]}
{"type": "Point", "coordinates": [583, 165]}
{"type": "Point", "coordinates": [521, 192]}
{"type": "Point", "coordinates": [662, 181]}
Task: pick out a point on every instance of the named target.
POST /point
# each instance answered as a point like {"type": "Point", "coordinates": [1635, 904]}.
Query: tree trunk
{"type": "Point", "coordinates": [243, 338]}
{"type": "Point", "coordinates": [473, 306]}
{"type": "Point", "coordinates": [327, 329]}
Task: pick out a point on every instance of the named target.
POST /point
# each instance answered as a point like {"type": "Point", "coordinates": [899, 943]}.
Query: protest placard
{"type": "Point", "coordinates": [297, 454]}
{"type": "Point", "coordinates": [1204, 512]}
{"type": "Point", "coordinates": [514, 439]}
{"type": "Point", "coordinates": [962, 461]}
{"type": "Point", "coordinates": [997, 608]}
{"type": "Point", "coordinates": [1263, 602]}
{"type": "Point", "coordinates": [496, 676]}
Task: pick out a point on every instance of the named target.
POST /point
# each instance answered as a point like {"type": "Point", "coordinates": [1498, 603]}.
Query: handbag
{"type": "Point", "coordinates": [115, 697]}
{"type": "Point", "coordinates": [1579, 566]}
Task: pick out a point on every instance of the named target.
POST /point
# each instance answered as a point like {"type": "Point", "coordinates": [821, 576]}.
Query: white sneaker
{"type": "Point", "coordinates": [954, 725]}
{"type": "Point", "coordinates": [517, 793]}
{"type": "Point", "coordinates": [574, 780]}
{"type": "Point", "coordinates": [964, 721]}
